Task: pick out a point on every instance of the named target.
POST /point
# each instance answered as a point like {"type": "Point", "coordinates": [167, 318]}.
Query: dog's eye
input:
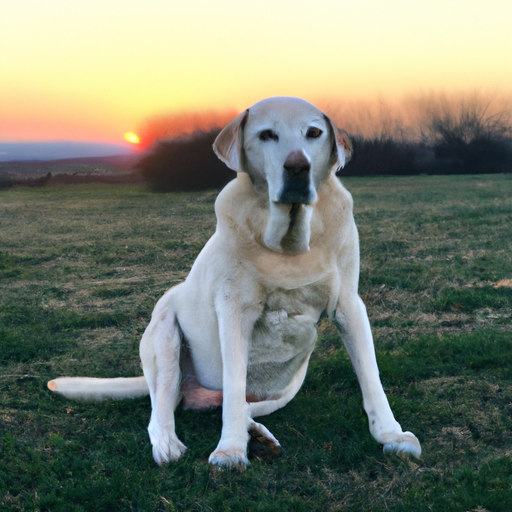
{"type": "Point", "coordinates": [313, 132]}
{"type": "Point", "coordinates": [266, 135]}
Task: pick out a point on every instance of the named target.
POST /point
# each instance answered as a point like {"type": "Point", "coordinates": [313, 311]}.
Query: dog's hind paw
{"type": "Point", "coordinates": [405, 443]}
{"type": "Point", "coordinates": [262, 444]}
{"type": "Point", "coordinates": [229, 459]}
{"type": "Point", "coordinates": [167, 452]}
{"type": "Point", "coordinates": [166, 447]}
{"type": "Point", "coordinates": [259, 430]}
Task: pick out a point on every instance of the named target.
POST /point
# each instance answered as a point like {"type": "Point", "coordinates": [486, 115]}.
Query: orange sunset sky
{"type": "Point", "coordinates": [94, 70]}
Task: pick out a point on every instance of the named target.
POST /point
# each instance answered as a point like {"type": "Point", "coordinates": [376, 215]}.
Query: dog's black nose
{"type": "Point", "coordinates": [297, 165]}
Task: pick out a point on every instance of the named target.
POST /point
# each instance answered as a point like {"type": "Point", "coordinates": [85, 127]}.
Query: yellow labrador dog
{"type": "Point", "coordinates": [241, 329]}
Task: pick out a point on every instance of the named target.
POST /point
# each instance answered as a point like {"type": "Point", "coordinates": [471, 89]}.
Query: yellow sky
{"type": "Point", "coordinates": [96, 69]}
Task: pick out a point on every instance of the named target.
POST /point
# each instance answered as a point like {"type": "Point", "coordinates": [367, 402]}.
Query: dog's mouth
{"type": "Point", "coordinates": [294, 210]}
{"type": "Point", "coordinates": [289, 242]}
{"type": "Point", "coordinates": [297, 189]}
{"type": "Point", "coordinates": [296, 193]}
{"type": "Point", "coordinates": [288, 229]}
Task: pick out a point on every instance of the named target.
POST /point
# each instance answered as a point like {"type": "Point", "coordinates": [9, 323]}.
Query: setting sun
{"type": "Point", "coordinates": [132, 138]}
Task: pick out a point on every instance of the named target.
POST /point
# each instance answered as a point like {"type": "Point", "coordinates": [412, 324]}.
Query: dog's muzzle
{"type": "Point", "coordinates": [296, 180]}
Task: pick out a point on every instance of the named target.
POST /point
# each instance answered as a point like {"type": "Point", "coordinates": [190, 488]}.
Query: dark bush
{"type": "Point", "coordinates": [479, 156]}
{"type": "Point", "coordinates": [385, 156]}
{"type": "Point", "coordinates": [185, 164]}
{"type": "Point", "coordinates": [380, 156]}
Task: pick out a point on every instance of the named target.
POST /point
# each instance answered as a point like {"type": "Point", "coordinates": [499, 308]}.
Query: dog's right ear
{"type": "Point", "coordinates": [229, 142]}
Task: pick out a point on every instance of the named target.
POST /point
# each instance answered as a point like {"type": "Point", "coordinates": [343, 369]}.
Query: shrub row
{"type": "Point", "coordinates": [389, 157]}
{"type": "Point", "coordinates": [189, 163]}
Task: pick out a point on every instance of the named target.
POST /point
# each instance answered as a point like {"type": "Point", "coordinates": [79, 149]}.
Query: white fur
{"type": "Point", "coordinates": [244, 320]}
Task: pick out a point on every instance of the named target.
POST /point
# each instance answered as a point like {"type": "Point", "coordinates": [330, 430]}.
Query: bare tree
{"type": "Point", "coordinates": [474, 129]}
{"type": "Point", "coordinates": [475, 116]}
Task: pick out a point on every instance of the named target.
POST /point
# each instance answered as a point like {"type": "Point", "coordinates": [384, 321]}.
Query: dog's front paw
{"type": "Point", "coordinates": [166, 445]}
{"type": "Point", "coordinates": [401, 443]}
{"type": "Point", "coordinates": [230, 458]}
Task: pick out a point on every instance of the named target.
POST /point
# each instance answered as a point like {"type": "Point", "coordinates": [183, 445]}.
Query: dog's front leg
{"type": "Point", "coordinates": [352, 321]}
{"type": "Point", "coordinates": [235, 328]}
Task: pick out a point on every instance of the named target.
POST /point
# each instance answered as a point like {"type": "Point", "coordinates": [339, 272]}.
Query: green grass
{"type": "Point", "coordinates": [472, 299]}
{"type": "Point", "coordinates": [81, 268]}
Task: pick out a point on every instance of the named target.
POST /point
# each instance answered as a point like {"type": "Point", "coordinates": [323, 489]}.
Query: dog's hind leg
{"type": "Point", "coordinates": [269, 406]}
{"type": "Point", "coordinates": [160, 355]}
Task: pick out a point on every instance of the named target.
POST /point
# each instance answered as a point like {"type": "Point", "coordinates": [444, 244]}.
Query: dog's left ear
{"type": "Point", "coordinates": [228, 144]}
{"type": "Point", "coordinates": [342, 148]}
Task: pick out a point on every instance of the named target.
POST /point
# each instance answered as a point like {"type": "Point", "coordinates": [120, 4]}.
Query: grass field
{"type": "Point", "coordinates": [82, 266]}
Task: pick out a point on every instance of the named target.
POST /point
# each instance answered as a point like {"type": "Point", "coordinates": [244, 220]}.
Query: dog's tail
{"type": "Point", "coordinates": [85, 388]}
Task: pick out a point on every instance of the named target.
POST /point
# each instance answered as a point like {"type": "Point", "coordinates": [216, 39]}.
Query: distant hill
{"type": "Point", "coordinates": [43, 151]}
{"type": "Point", "coordinates": [120, 169]}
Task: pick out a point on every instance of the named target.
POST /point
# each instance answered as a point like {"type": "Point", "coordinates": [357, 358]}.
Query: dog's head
{"type": "Point", "coordinates": [286, 145]}
{"type": "Point", "coordinates": [288, 148]}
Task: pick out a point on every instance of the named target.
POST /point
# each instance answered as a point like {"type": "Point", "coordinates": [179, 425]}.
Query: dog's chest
{"type": "Point", "coordinates": [284, 336]}
{"type": "Point", "coordinates": [287, 325]}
